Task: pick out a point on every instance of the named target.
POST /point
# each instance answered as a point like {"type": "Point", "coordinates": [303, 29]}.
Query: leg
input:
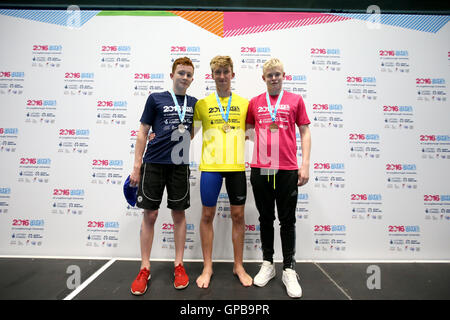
{"type": "Point", "coordinates": [178, 199]}
{"type": "Point", "coordinates": [286, 198]}
{"type": "Point", "coordinates": [181, 279]}
{"type": "Point", "coordinates": [149, 198]}
{"type": "Point", "coordinates": [236, 184]}
{"type": "Point", "coordinates": [238, 233]}
{"type": "Point", "coordinates": [207, 237]}
{"type": "Point", "coordinates": [179, 224]}
{"type": "Point", "coordinates": [150, 192]}
{"type": "Point", "coordinates": [287, 191]}
{"type": "Point", "coordinates": [265, 203]}
{"type": "Point", "coordinates": [210, 185]}
{"type": "Point", "coordinates": [146, 236]}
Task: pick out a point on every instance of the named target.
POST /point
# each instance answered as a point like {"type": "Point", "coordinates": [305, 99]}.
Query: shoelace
{"type": "Point", "coordinates": [290, 277]}
{"type": "Point", "coordinates": [143, 274]}
{"type": "Point", "coordinates": [266, 268]}
{"type": "Point", "coordinates": [179, 270]}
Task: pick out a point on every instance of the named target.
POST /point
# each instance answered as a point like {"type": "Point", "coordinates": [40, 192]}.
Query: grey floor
{"type": "Point", "coordinates": [54, 279]}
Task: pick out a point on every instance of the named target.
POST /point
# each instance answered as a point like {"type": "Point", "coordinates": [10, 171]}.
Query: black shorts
{"type": "Point", "coordinates": [155, 177]}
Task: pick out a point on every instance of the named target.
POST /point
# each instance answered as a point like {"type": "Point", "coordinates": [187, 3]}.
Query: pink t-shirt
{"type": "Point", "coordinates": [276, 150]}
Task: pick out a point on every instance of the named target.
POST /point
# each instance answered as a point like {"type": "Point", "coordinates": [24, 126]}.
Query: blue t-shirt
{"type": "Point", "coordinates": [161, 113]}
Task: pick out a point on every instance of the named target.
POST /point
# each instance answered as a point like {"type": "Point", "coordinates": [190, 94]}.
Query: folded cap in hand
{"type": "Point", "coordinates": [130, 192]}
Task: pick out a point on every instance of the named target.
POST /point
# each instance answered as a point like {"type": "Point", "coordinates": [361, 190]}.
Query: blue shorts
{"type": "Point", "coordinates": [211, 183]}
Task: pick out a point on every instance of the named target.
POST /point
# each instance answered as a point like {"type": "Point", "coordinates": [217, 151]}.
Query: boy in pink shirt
{"type": "Point", "coordinates": [275, 174]}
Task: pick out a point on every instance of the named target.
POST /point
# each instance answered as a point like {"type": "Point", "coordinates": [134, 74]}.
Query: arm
{"type": "Point", "coordinates": [197, 122]}
{"type": "Point", "coordinates": [250, 123]}
{"type": "Point", "coordinates": [141, 142]}
{"type": "Point", "coordinates": [303, 172]}
{"type": "Point", "coordinates": [249, 132]}
{"type": "Point", "coordinates": [195, 128]}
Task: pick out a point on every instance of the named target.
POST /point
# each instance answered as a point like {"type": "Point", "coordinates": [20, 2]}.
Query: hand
{"type": "Point", "coordinates": [151, 136]}
{"type": "Point", "coordinates": [303, 175]}
{"type": "Point", "coordinates": [135, 177]}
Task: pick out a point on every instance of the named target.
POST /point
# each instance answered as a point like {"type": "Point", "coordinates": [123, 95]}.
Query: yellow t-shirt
{"type": "Point", "coordinates": [222, 151]}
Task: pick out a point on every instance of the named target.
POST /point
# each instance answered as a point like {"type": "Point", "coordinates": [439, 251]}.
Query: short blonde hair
{"type": "Point", "coordinates": [272, 63]}
{"type": "Point", "coordinates": [221, 61]}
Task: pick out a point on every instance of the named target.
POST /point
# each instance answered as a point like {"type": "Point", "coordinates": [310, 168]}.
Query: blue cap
{"type": "Point", "coordinates": [130, 192]}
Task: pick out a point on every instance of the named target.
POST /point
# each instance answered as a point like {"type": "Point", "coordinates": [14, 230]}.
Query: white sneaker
{"type": "Point", "coordinates": [264, 275]}
{"type": "Point", "coordinates": [290, 280]}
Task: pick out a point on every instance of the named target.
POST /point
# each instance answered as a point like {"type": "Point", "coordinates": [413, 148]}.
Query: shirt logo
{"type": "Point", "coordinates": [174, 109]}
{"type": "Point", "coordinates": [280, 107]}
{"type": "Point", "coordinates": [216, 109]}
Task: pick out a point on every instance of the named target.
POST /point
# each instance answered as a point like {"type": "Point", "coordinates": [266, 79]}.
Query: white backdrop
{"type": "Point", "coordinates": [72, 93]}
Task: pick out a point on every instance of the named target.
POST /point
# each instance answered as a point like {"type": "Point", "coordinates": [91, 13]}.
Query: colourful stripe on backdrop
{"type": "Point", "coordinates": [241, 23]}
{"type": "Point", "coordinates": [66, 18]}
{"type": "Point", "coordinates": [211, 21]}
{"type": "Point", "coordinates": [232, 24]}
{"type": "Point", "coordinates": [425, 23]}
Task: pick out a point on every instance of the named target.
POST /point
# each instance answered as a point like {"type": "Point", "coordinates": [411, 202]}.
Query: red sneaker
{"type": "Point", "coordinates": [181, 278]}
{"type": "Point", "coordinates": [139, 285]}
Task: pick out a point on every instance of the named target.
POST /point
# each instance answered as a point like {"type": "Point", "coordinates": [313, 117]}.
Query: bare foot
{"type": "Point", "coordinates": [244, 277]}
{"type": "Point", "coordinates": [204, 279]}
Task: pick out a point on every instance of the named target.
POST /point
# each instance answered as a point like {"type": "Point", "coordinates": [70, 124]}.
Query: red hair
{"type": "Point", "coordinates": [185, 61]}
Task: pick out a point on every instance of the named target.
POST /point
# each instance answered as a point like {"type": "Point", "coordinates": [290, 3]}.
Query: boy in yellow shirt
{"type": "Point", "coordinates": [222, 115]}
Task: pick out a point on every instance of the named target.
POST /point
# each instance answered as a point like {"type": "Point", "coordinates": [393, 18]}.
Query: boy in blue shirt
{"type": "Point", "coordinates": [165, 165]}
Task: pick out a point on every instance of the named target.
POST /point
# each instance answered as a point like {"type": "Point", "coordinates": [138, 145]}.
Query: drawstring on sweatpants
{"type": "Point", "coordinates": [274, 175]}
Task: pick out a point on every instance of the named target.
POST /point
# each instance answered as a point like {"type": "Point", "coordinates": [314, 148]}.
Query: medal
{"type": "Point", "coordinates": [273, 126]}
{"type": "Point", "coordinates": [226, 127]}
{"type": "Point", "coordinates": [181, 113]}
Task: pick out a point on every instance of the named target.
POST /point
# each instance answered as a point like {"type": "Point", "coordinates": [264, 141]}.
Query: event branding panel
{"type": "Point", "coordinates": [73, 85]}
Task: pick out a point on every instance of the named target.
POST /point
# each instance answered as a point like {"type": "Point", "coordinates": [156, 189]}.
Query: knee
{"type": "Point", "coordinates": [287, 223]}
{"type": "Point", "coordinates": [150, 216]}
{"type": "Point", "coordinates": [208, 214]}
{"type": "Point", "coordinates": [266, 219]}
{"type": "Point", "coordinates": [237, 216]}
{"type": "Point", "coordinates": [178, 216]}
